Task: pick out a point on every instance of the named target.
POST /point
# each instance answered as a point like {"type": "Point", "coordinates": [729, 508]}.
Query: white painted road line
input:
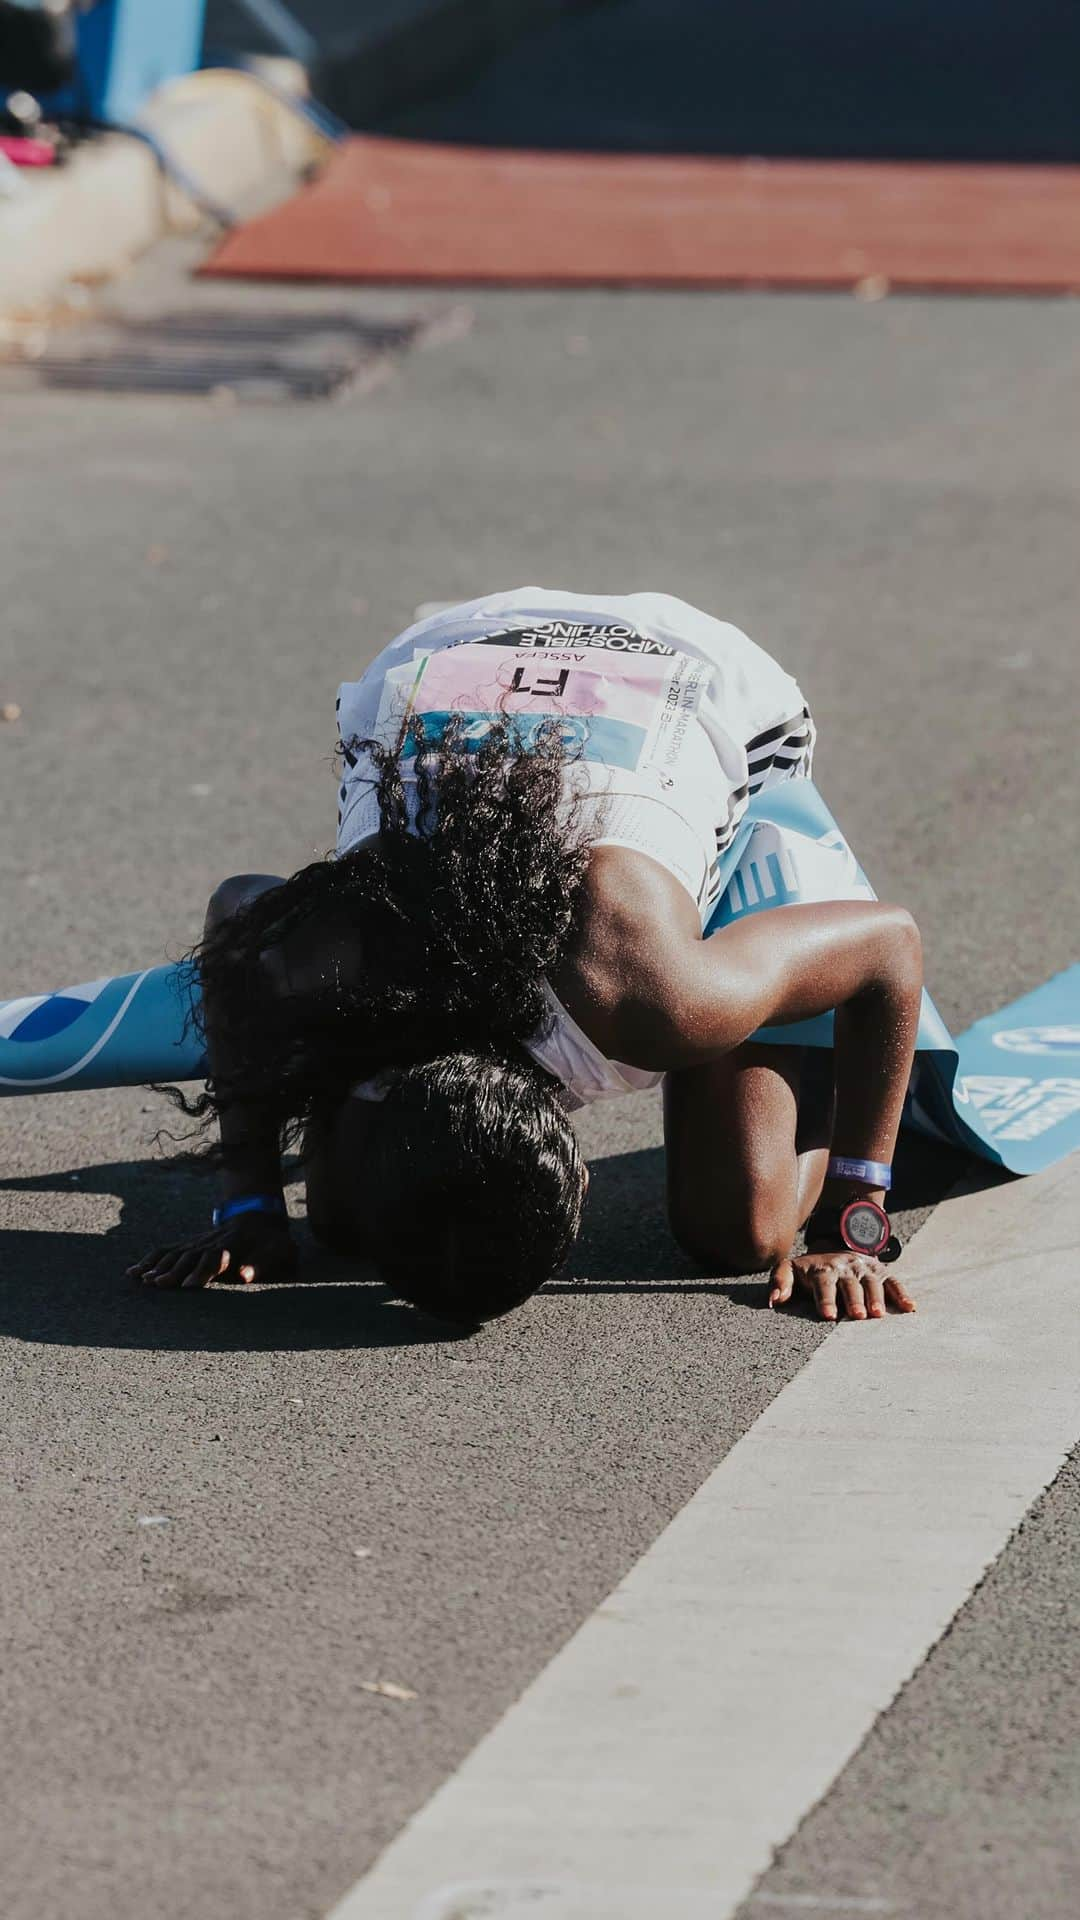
{"type": "Point", "coordinates": [691, 1722]}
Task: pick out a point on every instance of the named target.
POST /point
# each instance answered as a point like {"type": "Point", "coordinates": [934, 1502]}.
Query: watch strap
{"type": "Point", "coordinates": [869, 1173]}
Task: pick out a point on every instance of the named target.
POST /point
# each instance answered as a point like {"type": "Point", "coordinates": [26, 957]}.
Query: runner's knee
{"type": "Point", "coordinates": [748, 1237]}
{"type": "Point", "coordinates": [231, 894]}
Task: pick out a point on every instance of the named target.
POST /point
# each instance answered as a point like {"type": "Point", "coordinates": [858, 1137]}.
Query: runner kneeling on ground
{"type": "Point", "coordinates": [538, 792]}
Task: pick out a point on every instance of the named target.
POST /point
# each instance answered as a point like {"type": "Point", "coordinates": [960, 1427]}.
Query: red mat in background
{"type": "Point", "coordinates": [405, 211]}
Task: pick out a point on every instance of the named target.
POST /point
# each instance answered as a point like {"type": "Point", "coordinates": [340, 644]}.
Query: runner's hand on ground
{"type": "Point", "coordinates": [254, 1246]}
{"type": "Point", "coordinates": [853, 1284]}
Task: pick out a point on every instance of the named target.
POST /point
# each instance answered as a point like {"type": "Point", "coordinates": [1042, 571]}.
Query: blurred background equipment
{"type": "Point", "coordinates": [381, 57]}
{"type": "Point", "coordinates": [894, 79]}
{"type": "Point", "coordinates": [98, 59]}
{"type": "Point", "coordinates": [129, 47]}
{"type": "Point", "coordinates": [261, 25]}
{"type": "Point", "coordinates": [845, 79]}
{"type": "Point", "coordinates": [37, 44]}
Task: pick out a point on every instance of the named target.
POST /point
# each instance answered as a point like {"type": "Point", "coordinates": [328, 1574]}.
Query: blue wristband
{"type": "Point", "coordinates": [251, 1203]}
{"type": "Point", "coordinates": [869, 1173]}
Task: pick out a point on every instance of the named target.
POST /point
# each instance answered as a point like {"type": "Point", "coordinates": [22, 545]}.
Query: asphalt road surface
{"type": "Point", "coordinates": [886, 495]}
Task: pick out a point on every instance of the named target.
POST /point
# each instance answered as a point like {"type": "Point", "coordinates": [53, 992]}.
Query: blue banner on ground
{"type": "Point", "coordinates": [108, 1033]}
{"type": "Point", "coordinates": [1008, 1090]}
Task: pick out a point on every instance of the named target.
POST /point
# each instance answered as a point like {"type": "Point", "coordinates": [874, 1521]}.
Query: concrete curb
{"type": "Point", "coordinates": [87, 220]}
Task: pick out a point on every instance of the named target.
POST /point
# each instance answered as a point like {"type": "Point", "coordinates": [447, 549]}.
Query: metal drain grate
{"type": "Point", "coordinates": [250, 357]}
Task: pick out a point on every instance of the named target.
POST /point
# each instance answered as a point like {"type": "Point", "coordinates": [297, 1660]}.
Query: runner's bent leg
{"type": "Point", "coordinates": [747, 1141]}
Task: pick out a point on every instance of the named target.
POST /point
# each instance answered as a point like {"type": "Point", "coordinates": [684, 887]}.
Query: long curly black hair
{"type": "Point", "coordinates": [452, 916]}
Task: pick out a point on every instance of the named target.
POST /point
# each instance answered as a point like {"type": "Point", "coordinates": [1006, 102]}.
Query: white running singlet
{"type": "Point", "coordinates": [675, 719]}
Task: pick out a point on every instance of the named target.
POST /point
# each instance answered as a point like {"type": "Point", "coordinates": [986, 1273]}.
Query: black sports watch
{"type": "Point", "coordinates": [861, 1225]}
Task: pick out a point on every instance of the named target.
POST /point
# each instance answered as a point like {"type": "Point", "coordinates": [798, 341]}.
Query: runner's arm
{"type": "Point", "coordinates": [255, 1246]}
{"type": "Point", "coordinates": [698, 999]}
{"type": "Point", "coordinates": [251, 1158]}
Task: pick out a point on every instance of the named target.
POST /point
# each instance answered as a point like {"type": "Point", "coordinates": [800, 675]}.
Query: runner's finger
{"type": "Point", "coordinates": [874, 1292]}
{"type": "Point", "coordinates": [171, 1273]}
{"type": "Point", "coordinates": [897, 1297]}
{"type": "Point", "coordinates": [174, 1269]}
{"type": "Point", "coordinates": [207, 1268]}
{"type": "Point", "coordinates": [852, 1296]}
{"type": "Point", "coordinates": [783, 1282]}
{"type": "Point", "coordinates": [229, 1269]}
{"type": "Point", "coordinates": [149, 1260]}
{"type": "Point", "coordinates": [824, 1285]}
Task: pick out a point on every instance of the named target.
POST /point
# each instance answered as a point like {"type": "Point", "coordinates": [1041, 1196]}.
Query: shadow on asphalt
{"type": "Point", "coordinates": [70, 1289]}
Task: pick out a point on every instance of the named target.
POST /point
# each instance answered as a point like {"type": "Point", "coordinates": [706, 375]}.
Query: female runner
{"type": "Point", "coordinates": [538, 792]}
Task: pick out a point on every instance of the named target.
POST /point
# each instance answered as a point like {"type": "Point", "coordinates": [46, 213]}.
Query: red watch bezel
{"type": "Point", "coordinates": [886, 1227]}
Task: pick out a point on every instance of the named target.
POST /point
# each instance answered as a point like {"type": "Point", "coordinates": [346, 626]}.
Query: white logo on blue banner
{"type": "Point", "coordinates": [1013, 1107]}
{"type": "Point", "coordinates": [1052, 1040]}
{"type": "Point", "coordinates": [45, 1014]}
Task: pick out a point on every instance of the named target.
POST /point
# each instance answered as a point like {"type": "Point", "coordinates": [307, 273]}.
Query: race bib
{"type": "Point", "coordinates": [626, 710]}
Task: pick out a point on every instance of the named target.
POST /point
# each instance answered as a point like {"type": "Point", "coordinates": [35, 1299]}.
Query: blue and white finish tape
{"type": "Point", "coordinates": [117, 1032]}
